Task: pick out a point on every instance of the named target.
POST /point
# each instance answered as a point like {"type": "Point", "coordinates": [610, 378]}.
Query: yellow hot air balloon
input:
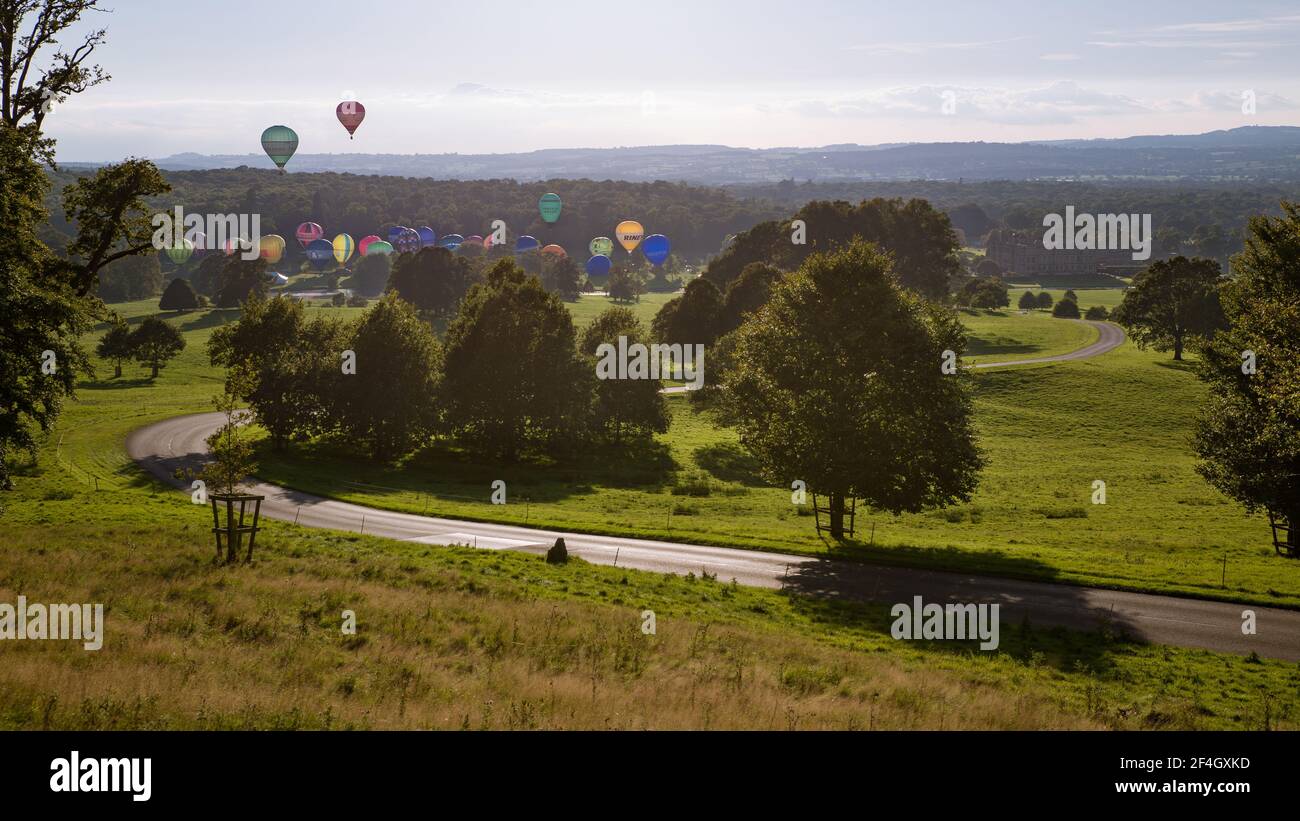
{"type": "Point", "coordinates": [271, 248]}
{"type": "Point", "coordinates": [343, 248]}
{"type": "Point", "coordinates": [629, 234]}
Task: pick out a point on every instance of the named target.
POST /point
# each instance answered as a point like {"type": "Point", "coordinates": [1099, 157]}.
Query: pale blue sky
{"type": "Point", "coordinates": [209, 75]}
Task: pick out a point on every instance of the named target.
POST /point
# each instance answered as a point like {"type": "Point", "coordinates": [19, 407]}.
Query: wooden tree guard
{"type": "Point", "coordinates": [1285, 545]}
{"type": "Point", "coordinates": [818, 510]}
{"type": "Point", "coordinates": [234, 529]}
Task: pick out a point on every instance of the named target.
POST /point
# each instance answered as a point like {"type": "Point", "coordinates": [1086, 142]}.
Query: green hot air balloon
{"type": "Point", "coordinates": [279, 142]}
{"type": "Point", "coordinates": [550, 206]}
{"type": "Point", "coordinates": [601, 246]}
{"type": "Point", "coordinates": [181, 252]}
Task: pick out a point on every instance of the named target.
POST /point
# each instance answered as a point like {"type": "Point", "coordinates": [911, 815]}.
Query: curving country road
{"type": "Point", "coordinates": [163, 447]}
{"type": "Point", "coordinates": [1110, 336]}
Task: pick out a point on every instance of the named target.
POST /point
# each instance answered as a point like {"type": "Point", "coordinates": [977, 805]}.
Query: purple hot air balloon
{"type": "Point", "coordinates": [394, 233]}
{"type": "Point", "coordinates": [526, 243]}
{"type": "Point", "coordinates": [428, 238]}
{"type": "Point", "coordinates": [408, 241]}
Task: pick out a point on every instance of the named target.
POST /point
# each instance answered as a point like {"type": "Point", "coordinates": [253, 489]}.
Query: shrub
{"type": "Point", "coordinates": [1097, 312]}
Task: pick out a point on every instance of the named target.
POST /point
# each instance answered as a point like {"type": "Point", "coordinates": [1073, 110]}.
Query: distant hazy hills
{"type": "Point", "coordinates": [1259, 153]}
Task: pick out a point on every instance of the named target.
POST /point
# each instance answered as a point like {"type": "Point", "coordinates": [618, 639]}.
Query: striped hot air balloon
{"type": "Point", "coordinates": [344, 247]}
{"type": "Point", "coordinates": [308, 233]}
{"type": "Point", "coordinates": [279, 142]}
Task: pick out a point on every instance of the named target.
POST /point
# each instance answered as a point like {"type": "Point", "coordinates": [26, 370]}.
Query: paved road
{"type": "Point", "coordinates": [163, 447]}
{"type": "Point", "coordinates": [1111, 336]}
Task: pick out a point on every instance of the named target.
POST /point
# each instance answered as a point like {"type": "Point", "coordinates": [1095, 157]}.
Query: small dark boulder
{"type": "Point", "coordinates": [558, 553]}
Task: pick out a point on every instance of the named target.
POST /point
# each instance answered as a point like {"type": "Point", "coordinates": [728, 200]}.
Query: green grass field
{"type": "Point", "coordinates": [1108, 298]}
{"type": "Point", "coordinates": [462, 638]}
{"type": "Point", "coordinates": [1049, 432]}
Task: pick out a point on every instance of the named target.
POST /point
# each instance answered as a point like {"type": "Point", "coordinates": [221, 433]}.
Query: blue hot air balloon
{"type": "Point", "coordinates": [428, 238]}
{"type": "Point", "coordinates": [450, 241]}
{"type": "Point", "coordinates": [526, 243]}
{"type": "Point", "coordinates": [320, 253]}
{"type": "Point", "coordinates": [656, 248]}
{"type": "Point", "coordinates": [394, 233]}
{"type": "Point", "coordinates": [599, 266]}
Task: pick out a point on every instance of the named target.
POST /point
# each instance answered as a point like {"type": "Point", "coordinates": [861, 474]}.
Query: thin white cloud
{"type": "Point", "coordinates": [923, 47]}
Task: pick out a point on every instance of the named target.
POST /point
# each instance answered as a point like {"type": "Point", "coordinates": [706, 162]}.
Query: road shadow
{"type": "Point", "coordinates": [1039, 622]}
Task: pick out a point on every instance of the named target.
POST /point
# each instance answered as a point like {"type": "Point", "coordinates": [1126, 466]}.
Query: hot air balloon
{"type": "Point", "coordinates": [276, 278]}
{"type": "Point", "coordinates": [408, 241]}
{"type": "Point", "coordinates": [200, 241]}
{"type": "Point", "coordinates": [379, 247]}
{"type": "Point", "coordinates": [451, 242]}
{"type": "Point", "coordinates": [599, 266]}
{"type": "Point", "coordinates": [271, 248]}
{"type": "Point", "coordinates": [629, 234]}
{"type": "Point", "coordinates": [279, 142]}
{"type": "Point", "coordinates": [550, 206]}
{"type": "Point", "coordinates": [308, 233]}
{"type": "Point", "coordinates": [394, 234]}
{"type": "Point", "coordinates": [351, 113]}
{"type": "Point", "coordinates": [181, 252]}
{"type": "Point", "coordinates": [343, 248]}
{"type": "Point", "coordinates": [474, 239]}
{"type": "Point", "coordinates": [364, 244]}
{"type": "Point", "coordinates": [656, 249]}
{"type": "Point", "coordinates": [601, 246]}
{"type": "Point", "coordinates": [526, 243]}
{"type": "Point", "coordinates": [320, 253]}
{"type": "Point", "coordinates": [554, 250]}
{"type": "Point", "coordinates": [234, 246]}
{"type": "Point", "coordinates": [428, 238]}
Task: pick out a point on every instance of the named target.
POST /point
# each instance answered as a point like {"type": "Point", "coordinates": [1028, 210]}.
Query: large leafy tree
{"type": "Point", "coordinates": [838, 381]}
{"type": "Point", "coordinates": [48, 301]}
{"type": "Point", "coordinates": [115, 345]}
{"type": "Point", "coordinates": [268, 340]}
{"type": "Point", "coordinates": [1248, 437]}
{"type": "Point", "coordinates": [240, 280]}
{"type": "Point", "coordinates": [561, 276]}
{"type": "Point", "coordinates": [694, 318]}
{"type": "Point", "coordinates": [513, 379]}
{"type": "Point", "coordinates": [920, 238]}
{"type": "Point", "coordinates": [748, 292]}
{"type": "Point", "coordinates": [1172, 303]}
{"type": "Point", "coordinates": [623, 405]}
{"type": "Point", "coordinates": [389, 404]}
{"type": "Point", "coordinates": [154, 342]}
{"type": "Point", "coordinates": [433, 280]}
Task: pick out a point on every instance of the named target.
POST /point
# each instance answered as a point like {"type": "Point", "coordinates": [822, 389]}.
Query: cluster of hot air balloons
{"type": "Point", "coordinates": [630, 235]}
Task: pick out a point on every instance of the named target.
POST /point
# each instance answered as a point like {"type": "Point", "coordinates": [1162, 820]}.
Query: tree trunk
{"type": "Point", "coordinates": [117, 371]}
{"type": "Point", "coordinates": [155, 371]}
{"type": "Point", "coordinates": [837, 515]}
{"type": "Point", "coordinates": [1178, 347]}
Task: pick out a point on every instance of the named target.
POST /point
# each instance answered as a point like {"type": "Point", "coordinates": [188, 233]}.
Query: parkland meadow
{"type": "Point", "coordinates": [1049, 432]}
{"type": "Point", "coordinates": [458, 638]}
